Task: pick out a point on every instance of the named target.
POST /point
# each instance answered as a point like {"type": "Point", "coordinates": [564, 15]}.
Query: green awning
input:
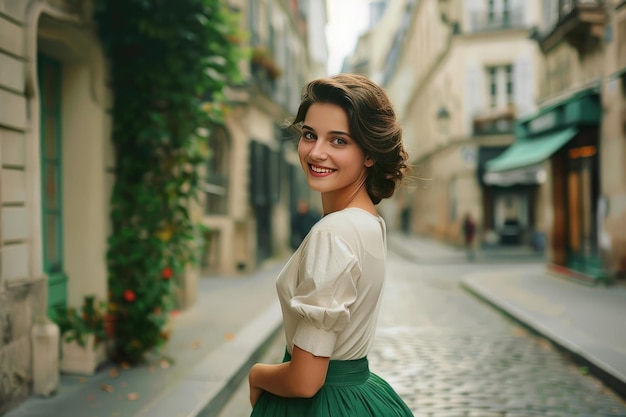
{"type": "Point", "coordinates": [529, 151]}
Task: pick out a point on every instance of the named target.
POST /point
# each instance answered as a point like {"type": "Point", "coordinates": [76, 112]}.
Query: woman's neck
{"type": "Point", "coordinates": [332, 202]}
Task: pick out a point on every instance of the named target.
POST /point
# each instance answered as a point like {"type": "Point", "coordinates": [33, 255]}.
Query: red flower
{"type": "Point", "coordinates": [167, 273]}
{"type": "Point", "coordinates": [129, 296]}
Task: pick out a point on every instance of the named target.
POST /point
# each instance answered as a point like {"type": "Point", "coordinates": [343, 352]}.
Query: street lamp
{"type": "Point", "coordinates": [443, 120]}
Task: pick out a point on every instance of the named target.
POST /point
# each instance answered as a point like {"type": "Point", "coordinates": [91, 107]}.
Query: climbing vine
{"type": "Point", "coordinates": [169, 64]}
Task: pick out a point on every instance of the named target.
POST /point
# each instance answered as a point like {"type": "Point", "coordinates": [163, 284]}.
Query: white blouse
{"type": "Point", "coordinates": [330, 290]}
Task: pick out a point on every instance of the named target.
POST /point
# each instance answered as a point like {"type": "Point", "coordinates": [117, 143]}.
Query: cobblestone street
{"type": "Point", "coordinates": [463, 373]}
{"type": "Point", "coordinates": [448, 354]}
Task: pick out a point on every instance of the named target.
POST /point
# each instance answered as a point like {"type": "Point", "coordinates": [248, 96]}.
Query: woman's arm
{"type": "Point", "coordinates": [302, 377]}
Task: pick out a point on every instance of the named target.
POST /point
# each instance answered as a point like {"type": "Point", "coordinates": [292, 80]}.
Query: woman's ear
{"type": "Point", "coordinates": [369, 161]}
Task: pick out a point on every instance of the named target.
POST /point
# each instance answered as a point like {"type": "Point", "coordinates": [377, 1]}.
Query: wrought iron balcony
{"type": "Point", "coordinates": [579, 22]}
{"type": "Point", "coordinates": [485, 21]}
{"type": "Point", "coordinates": [494, 122]}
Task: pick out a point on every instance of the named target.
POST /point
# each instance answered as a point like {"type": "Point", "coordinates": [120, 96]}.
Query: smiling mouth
{"type": "Point", "coordinates": [320, 170]}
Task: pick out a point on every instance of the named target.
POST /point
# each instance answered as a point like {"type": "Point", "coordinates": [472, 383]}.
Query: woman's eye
{"type": "Point", "coordinates": [308, 135]}
{"type": "Point", "coordinates": [340, 141]}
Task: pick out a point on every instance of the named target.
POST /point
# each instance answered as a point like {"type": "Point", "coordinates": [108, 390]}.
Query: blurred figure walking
{"type": "Point", "coordinates": [301, 223]}
{"type": "Point", "coordinates": [469, 230]}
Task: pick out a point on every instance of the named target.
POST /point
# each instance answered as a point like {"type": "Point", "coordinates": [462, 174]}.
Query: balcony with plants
{"type": "Point", "coordinates": [264, 68]}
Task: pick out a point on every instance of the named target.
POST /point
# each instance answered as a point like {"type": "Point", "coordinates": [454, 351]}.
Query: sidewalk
{"type": "Point", "coordinates": [426, 251]}
{"type": "Point", "coordinates": [213, 345]}
{"type": "Point", "coordinates": [588, 322]}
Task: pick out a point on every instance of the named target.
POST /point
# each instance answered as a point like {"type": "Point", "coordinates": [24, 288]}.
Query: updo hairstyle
{"type": "Point", "coordinates": [373, 125]}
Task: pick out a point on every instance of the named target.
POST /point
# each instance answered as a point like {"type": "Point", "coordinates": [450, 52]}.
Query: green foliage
{"type": "Point", "coordinates": [77, 325]}
{"type": "Point", "coordinates": [170, 61]}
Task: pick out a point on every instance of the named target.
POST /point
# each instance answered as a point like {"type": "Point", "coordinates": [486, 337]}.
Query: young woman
{"type": "Point", "coordinates": [350, 148]}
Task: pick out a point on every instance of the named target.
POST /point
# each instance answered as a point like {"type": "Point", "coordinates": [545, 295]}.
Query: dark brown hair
{"type": "Point", "coordinates": [372, 122]}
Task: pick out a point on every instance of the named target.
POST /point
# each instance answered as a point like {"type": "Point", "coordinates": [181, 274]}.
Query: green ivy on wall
{"type": "Point", "coordinates": [169, 62]}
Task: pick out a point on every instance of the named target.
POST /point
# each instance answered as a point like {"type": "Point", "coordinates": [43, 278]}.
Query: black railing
{"type": "Point", "coordinates": [495, 124]}
{"type": "Point", "coordinates": [568, 6]}
{"type": "Point", "coordinates": [486, 21]}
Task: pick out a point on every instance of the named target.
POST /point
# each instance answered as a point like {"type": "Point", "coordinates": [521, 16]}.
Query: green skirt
{"type": "Point", "coordinates": [350, 390]}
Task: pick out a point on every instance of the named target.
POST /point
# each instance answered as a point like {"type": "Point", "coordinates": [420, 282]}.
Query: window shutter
{"type": "Point", "coordinates": [524, 85]}
{"type": "Point", "coordinates": [475, 12]}
{"type": "Point", "coordinates": [518, 13]}
{"type": "Point", "coordinates": [474, 94]}
{"type": "Point", "coordinates": [258, 174]}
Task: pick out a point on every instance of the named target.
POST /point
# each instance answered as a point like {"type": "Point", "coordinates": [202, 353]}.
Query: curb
{"type": "Point", "coordinates": [205, 389]}
{"type": "Point", "coordinates": [595, 365]}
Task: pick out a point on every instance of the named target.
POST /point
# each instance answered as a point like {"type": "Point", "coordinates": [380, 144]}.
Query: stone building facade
{"type": "Point", "coordinates": [56, 158]}
{"type": "Point", "coordinates": [579, 126]}
{"type": "Point", "coordinates": [459, 73]}
{"type": "Point", "coordinates": [513, 111]}
{"type": "Point", "coordinates": [612, 234]}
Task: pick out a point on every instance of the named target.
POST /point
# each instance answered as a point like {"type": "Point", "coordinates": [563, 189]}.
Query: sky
{"type": "Point", "coordinates": [347, 19]}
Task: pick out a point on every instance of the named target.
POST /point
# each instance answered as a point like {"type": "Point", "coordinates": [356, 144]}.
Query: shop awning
{"type": "Point", "coordinates": [530, 151]}
{"type": "Point", "coordinates": [530, 175]}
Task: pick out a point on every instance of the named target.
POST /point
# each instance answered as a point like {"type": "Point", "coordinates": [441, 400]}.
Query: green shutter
{"type": "Point", "coordinates": [49, 73]}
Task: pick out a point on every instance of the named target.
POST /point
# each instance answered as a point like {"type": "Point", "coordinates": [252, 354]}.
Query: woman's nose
{"type": "Point", "coordinates": [319, 150]}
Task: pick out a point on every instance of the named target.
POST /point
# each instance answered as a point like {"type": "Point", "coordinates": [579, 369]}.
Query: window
{"type": "Point", "coordinates": [452, 198]}
{"type": "Point", "coordinates": [621, 43]}
{"type": "Point", "coordinates": [499, 11]}
{"type": "Point", "coordinates": [501, 86]}
{"type": "Point", "coordinates": [216, 186]}
{"type": "Point", "coordinates": [493, 86]}
{"type": "Point", "coordinates": [253, 21]}
{"type": "Point", "coordinates": [49, 73]}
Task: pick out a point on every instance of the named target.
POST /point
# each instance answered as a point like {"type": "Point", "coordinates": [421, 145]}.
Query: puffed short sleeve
{"type": "Point", "coordinates": [326, 290]}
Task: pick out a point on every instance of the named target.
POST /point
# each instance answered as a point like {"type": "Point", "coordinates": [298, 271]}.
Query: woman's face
{"type": "Point", "coordinates": [331, 159]}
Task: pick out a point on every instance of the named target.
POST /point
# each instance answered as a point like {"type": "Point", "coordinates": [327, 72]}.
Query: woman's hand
{"type": "Point", "coordinates": [255, 392]}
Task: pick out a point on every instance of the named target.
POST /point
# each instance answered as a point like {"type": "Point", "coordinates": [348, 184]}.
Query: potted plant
{"type": "Point", "coordinates": [82, 336]}
{"type": "Point", "coordinates": [262, 57]}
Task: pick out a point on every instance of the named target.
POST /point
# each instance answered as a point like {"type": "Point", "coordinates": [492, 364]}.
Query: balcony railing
{"type": "Point", "coordinates": [579, 22]}
{"type": "Point", "coordinates": [494, 122]}
{"type": "Point", "coordinates": [485, 21]}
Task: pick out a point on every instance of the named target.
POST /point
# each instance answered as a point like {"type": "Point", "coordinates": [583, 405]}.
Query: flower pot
{"type": "Point", "coordinates": [82, 360]}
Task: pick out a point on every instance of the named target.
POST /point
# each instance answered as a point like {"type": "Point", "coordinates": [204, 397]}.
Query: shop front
{"type": "Point", "coordinates": [560, 144]}
{"type": "Point", "coordinates": [508, 203]}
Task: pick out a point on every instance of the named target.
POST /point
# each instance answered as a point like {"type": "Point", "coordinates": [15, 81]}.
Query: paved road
{"type": "Point", "coordinates": [450, 355]}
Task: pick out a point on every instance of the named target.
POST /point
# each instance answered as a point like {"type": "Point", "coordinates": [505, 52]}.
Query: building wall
{"type": "Point", "coordinates": [613, 149]}
{"type": "Point", "coordinates": [569, 70]}
{"type": "Point", "coordinates": [26, 29]}
{"type": "Point", "coordinates": [443, 65]}
{"type": "Point", "coordinates": [22, 288]}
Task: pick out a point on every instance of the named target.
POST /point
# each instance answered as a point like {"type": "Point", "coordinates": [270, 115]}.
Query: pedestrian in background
{"type": "Point", "coordinates": [301, 223]}
{"type": "Point", "coordinates": [350, 149]}
{"type": "Point", "coordinates": [469, 230]}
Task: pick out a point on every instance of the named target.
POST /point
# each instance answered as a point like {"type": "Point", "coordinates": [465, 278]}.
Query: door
{"type": "Point", "coordinates": [582, 196]}
{"type": "Point", "coordinates": [49, 73]}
